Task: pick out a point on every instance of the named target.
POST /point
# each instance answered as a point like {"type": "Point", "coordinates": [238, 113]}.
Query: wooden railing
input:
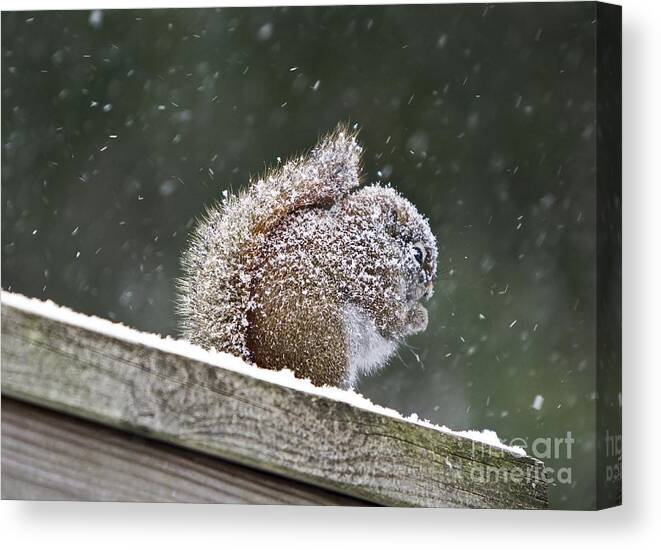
{"type": "Point", "coordinates": [95, 383]}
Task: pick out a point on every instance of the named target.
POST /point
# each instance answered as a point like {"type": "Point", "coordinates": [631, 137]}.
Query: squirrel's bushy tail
{"type": "Point", "coordinates": [215, 290]}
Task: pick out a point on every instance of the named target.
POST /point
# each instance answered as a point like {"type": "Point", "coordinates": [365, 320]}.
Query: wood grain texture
{"type": "Point", "coordinates": [52, 456]}
{"type": "Point", "coordinates": [312, 439]}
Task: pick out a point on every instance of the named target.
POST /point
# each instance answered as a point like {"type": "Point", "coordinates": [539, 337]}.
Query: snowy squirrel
{"type": "Point", "coordinates": [306, 270]}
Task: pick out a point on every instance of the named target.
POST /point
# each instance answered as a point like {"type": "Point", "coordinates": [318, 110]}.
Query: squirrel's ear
{"type": "Point", "coordinates": [320, 178]}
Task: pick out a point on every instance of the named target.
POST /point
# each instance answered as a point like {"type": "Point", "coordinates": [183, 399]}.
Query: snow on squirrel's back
{"type": "Point", "coordinates": [50, 310]}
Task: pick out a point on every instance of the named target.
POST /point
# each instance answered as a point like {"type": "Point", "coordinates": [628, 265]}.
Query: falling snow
{"type": "Point", "coordinates": [538, 402]}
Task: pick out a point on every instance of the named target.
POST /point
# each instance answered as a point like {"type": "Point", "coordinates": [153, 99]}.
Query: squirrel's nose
{"type": "Point", "coordinates": [429, 290]}
{"type": "Point", "coordinates": [418, 292]}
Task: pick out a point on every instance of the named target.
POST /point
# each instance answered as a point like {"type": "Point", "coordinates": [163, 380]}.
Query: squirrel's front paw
{"type": "Point", "coordinates": [417, 319]}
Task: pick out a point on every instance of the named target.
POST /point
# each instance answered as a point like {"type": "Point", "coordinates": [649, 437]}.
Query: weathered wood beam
{"type": "Point", "coordinates": [95, 374]}
{"type": "Point", "coordinates": [48, 455]}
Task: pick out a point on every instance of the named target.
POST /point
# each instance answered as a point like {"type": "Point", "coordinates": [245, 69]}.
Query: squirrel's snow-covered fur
{"type": "Point", "coordinates": [305, 270]}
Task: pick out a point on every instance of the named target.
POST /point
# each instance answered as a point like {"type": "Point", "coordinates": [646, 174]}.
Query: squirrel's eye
{"type": "Point", "coordinates": [419, 252]}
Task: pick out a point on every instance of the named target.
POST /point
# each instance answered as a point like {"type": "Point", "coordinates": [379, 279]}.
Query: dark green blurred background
{"type": "Point", "coordinates": [118, 127]}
